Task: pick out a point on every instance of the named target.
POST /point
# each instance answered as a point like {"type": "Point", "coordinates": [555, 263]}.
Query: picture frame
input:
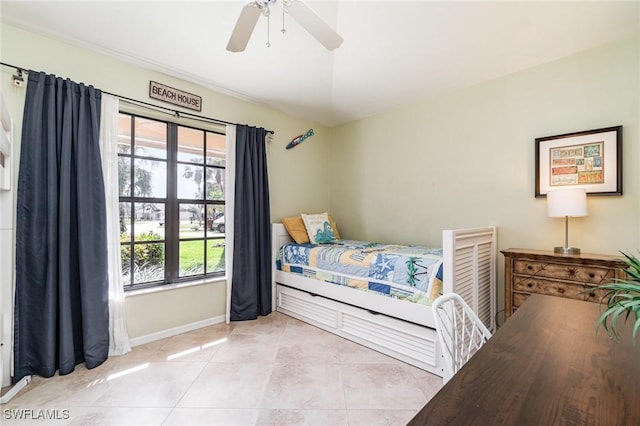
{"type": "Point", "coordinates": [590, 159]}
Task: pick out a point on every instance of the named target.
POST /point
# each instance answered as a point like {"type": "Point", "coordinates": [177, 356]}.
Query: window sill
{"type": "Point", "coordinates": [167, 287]}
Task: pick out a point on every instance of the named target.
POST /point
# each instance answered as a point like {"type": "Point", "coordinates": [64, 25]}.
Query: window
{"type": "Point", "coordinates": [171, 183]}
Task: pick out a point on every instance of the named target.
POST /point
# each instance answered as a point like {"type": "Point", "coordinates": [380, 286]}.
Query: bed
{"type": "Point", "coordinates": [396, 327]}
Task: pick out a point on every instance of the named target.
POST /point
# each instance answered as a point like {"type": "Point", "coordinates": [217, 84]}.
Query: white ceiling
{"type": "Point", "coordinates": [394, 52]}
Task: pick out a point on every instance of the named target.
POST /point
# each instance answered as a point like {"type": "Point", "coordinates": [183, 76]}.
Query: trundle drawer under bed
{"type": "Point", "coordinates": [411, 343]}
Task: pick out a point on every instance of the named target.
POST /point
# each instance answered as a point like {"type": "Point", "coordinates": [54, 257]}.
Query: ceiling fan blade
{"type": "Point", "coordinates": [244, 27]}
{"type": "Point", "coordinates": [314, 24]}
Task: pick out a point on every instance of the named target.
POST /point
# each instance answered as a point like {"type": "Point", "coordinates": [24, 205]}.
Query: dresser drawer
{"type": "Point", "coordinates": [596, 295]}
{"type": "Point", "coordinates": [593, 294]}
{"type": "Point", "coordinates": [550, 287]}
{"type": "Point", "coordinates": [518, 299]}
{"type": "Point", "coordinates": [569, 272]}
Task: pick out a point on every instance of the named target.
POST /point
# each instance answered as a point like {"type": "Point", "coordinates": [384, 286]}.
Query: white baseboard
{"type": "Point", "coordinates": [15, 389]}
{"type": "Point", "coordinates": [170, 332]}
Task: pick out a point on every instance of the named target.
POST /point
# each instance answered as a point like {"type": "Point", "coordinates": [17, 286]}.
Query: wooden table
{"type": "Point", "coordinates": [545, 366]}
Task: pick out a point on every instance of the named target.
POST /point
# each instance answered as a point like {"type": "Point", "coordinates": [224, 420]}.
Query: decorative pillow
{"type": "Point", "coordinates": [318, 228]}
{"type": "Point", "coordinates": [295, 227]}
{"type": "Point", "coordinates": [334, 227]}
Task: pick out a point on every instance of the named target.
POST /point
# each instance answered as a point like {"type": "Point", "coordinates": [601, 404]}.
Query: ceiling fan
{"type": "Point", "coordinates": [297, 9]}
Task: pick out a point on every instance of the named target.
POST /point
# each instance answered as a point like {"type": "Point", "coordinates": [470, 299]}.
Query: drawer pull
{"type": "Point", "coordinates": [529, 285]}
{"type": "Point", "coordinates": [592, 294]}
{"type": "Point", "coordinates": [529, 267]}
{"type": "Point", "coordinates": [591, 275]}
{"type": "Point", "coordinates": [561, 290]}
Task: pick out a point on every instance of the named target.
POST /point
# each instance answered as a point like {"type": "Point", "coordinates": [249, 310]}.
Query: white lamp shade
{"type": "Point", "coordinates": [567, 202]}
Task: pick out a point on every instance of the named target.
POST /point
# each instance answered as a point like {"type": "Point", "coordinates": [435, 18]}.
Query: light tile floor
{"type": "Point", "coordinates": [272, 371]}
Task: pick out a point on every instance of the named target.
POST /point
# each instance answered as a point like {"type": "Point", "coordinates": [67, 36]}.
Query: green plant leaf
{"type": "Point", "coordinates": [636, 327]}
{"type": "Point", "coordinates": [622, 299]}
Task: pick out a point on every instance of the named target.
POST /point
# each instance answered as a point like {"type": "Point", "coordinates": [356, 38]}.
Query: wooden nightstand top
{"type": "Point", "coordinates": [549, 255]}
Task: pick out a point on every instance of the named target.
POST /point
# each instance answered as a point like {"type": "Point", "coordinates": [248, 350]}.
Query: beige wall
{"type": "Point", "coordinates": [464, 159]}
{"type": "Point", "coordinates": [298, 177]}
{"type": "Point", "coordinates": [467, 158]}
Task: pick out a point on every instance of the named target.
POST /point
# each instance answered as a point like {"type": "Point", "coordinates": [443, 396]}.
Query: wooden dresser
{"type": "Point", "coordinates": [529, 271]}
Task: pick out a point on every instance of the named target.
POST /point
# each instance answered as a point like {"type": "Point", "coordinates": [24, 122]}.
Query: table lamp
{"type": "Point", "coordinates": [567, 203]}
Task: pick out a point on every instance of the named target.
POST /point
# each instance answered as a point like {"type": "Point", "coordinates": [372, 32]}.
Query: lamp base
{"type": "Point", "coordinates": [566, 250]}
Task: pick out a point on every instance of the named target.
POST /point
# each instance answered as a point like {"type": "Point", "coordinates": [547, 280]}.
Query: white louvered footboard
{"type": "Point", "coordinates": [470, 269]}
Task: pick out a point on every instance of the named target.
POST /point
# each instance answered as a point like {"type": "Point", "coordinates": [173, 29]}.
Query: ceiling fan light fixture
{"type": "Point", "coordinates": [284, 5]}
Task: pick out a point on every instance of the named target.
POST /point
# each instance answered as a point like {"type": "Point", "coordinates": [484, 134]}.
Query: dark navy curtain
{"type": "Point", "coordinates": [61, 306]}
{"type": "Point", "coordinates": [251, 283]}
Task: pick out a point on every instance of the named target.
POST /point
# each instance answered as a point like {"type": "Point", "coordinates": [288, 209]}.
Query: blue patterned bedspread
{"type": "Point", "coordinates": [404, 272]}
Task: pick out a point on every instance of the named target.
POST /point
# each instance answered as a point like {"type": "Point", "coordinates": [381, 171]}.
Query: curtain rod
{"type": "Point", "coordinates": [166, 110]}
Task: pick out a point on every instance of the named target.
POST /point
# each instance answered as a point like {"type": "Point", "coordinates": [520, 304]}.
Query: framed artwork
{"type": "Point", "coordinates": [591, 160]}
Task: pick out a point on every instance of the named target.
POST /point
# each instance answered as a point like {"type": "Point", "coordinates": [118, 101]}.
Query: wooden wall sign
{"type": "Point", "coordinates": [175, 96]}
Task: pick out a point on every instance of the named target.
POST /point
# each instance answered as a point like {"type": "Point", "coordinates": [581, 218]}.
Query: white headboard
{"type": "Point", "coordinates": [279, 237]}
